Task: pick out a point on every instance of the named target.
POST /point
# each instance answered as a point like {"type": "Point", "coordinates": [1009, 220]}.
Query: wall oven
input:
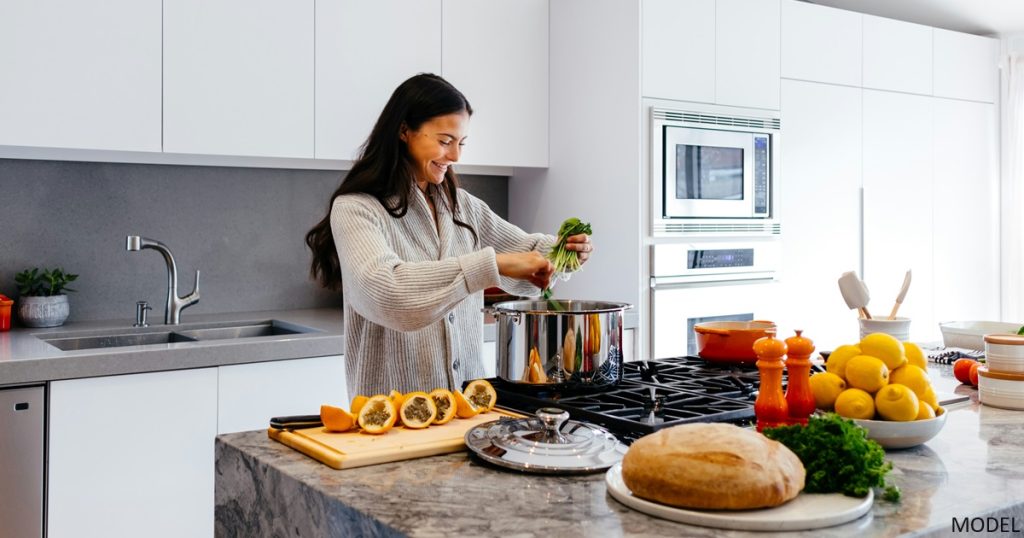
{"type": "Point", "coordinates": [714, 167]}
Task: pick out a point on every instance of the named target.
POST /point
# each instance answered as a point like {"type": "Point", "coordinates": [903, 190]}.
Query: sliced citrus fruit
{"type": "Point", "coordinates": [377, 415]}
{"type": "Point", "coordinates": [482, 394]}
{"type": "Point", "coordinates": [336, 419]}
{"type": "Point", "coordinates": [397, 398]}
{"type": "Point", "coordinates": [357, 404]}
{"type": "Point", "coordinates": [418, 410]}
{"type": "Point", "coordinates": [463, 407]}
{"type": "Point", "coordinates": [446, 407]}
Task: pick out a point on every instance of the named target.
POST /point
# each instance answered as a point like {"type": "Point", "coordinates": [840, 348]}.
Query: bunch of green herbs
{"type": "Point", "coordinates": [837, 456]}
{"type": "Point", "coordinates": [565, 260]}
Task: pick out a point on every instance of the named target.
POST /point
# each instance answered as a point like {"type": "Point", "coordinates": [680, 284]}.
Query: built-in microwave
{"type": "Point", "coordinates": [712, 166]}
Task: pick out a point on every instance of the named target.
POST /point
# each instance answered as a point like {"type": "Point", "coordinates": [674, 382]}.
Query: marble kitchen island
{"type": "Point", "coordinates": [974, 468]}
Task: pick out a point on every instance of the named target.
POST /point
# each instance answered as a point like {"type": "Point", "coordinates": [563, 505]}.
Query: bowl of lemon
{"type": "Point", "coordinates": [881, 384]}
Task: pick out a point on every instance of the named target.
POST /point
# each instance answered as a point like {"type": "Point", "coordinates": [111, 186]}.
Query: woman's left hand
{"type": "Point", "coordinates": [581, 244]}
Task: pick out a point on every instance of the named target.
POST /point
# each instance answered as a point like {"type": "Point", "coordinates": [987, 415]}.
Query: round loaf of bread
{"type": "Point", "coordinates": [712, 466]}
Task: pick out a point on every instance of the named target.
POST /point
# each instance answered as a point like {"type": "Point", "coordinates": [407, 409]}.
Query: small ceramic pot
{"type": "Point", "coordinates": [43, 311]}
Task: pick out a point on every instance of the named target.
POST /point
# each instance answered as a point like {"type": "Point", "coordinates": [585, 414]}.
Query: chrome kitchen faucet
{"type": "Point", "coordinates": [172, 313]}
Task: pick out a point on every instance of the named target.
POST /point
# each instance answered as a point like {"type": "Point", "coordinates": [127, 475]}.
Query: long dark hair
{"type": "Point", "coordinates": [384, 169]}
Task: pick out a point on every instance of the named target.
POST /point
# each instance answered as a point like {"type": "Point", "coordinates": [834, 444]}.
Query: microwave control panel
{"type": "Point", "coordinates": [760, 175]}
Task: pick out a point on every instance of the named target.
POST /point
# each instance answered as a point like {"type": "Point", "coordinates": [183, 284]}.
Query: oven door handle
{"type": "Point", "coordinates": [672, 282]}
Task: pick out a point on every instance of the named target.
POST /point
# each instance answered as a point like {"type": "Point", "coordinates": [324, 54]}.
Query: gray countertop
{"type": "Point", "coordinates": [973, 468]}
{"type": "Point", "coordinates": [24, 358]}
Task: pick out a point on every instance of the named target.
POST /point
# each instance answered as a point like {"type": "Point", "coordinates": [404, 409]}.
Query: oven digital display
{"type": "Point", "coordinates": [709, 173]}
{"type": "Point", "coordinates": [708, 259]}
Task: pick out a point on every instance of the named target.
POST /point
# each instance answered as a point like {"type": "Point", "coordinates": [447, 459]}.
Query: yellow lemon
{"type": "Point", "coordinates": [931, 399]}
{"type": "Point", "coordinates": [826, 387]}
{"type": "Point", "coordinates": [897, 403]}
{"type": "Point", "coordinates": [837, 360]}
{"type": "Point", "coordinates": [913, 377]}
{"type": "Point", "coordinates": [914, 355]}
{"type": "Point", "coordinates": [925, 411]}
{"type": "Point", "coordinates": [885, 347]}
{"type": "Point", "coordinates": [866, 373]}
{"type": "Point", "coordinates": [855, 403]}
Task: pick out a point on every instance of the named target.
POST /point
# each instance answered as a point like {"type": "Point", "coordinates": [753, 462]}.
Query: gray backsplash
{"type": "Point", "coordinates": [242, 227]}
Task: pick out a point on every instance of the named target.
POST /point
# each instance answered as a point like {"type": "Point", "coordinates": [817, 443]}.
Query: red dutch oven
{"type": "Point", "coordinates": [730, 342]}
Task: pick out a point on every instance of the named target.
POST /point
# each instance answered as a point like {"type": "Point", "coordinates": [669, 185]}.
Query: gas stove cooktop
{"type": "Point", "coordinates": [652, 395]}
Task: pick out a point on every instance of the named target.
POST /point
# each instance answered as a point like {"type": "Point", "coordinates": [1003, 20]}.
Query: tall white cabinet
{"type": "Point", "coordinates": [81, 74]}
{"type": "Point", "coordinates": [819, 204]}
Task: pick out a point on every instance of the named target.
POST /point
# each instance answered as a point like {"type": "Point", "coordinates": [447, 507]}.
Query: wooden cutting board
{"type": "Point", "coordinates": [356, 449]}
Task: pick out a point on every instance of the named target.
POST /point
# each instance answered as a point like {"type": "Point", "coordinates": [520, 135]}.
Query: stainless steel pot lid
{"type": "Point", "coordinates": [548, 443]}
{"type": "Point", "coordinates": [560, 306]}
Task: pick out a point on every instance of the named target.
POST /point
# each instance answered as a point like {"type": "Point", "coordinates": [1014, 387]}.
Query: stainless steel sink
{"type": "Point", "coordinates": [116, 340]}
{"type": "Point", "coordinates": [251, 330]}
{"type": "Point", "coordinates": [192, 332]}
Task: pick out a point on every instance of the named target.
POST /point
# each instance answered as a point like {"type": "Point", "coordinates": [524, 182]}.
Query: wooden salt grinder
{"type": "Point", "coordinates": [798, 367]}
{"type": "Point", "coordinates": [770, 407]}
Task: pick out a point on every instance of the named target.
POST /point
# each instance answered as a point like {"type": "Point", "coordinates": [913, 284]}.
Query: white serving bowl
{"type": "Point", "coordinates": [902, 434]}
{"type": "Point", "coordinates": [1005, 353]}
{"type": "Point", "coordinates": [971, 334]}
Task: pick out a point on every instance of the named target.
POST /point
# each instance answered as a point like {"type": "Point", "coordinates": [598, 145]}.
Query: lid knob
{"type": "Point", "coordinates": [552, 418]}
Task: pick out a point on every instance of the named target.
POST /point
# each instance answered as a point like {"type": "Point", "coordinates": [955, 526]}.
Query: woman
{"type": "Point", "coordinates": [416, 251]}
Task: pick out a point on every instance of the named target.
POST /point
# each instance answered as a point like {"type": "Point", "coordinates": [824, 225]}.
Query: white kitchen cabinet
{"type": "Point", "coordinates": [81, 74]}
{"type": "Point", "coordinates": [747, 51]}
{"type": "Point", "coordinates": [352, 85]}
{"type": "Point", "coordinates": [489, 356]}
{"type": "Point", "coordinates": [965, 66]}
{"type": "Point", "coordinates": [898, 205]}
{"type": "Point", "coordinates": [678, 50]}
{"type": "Point", "coordinates": [897, 55]}
{"type": "Point", "coordinates": [238, 77]}
{"type": "Point", "coordinates": [250, 394]}
{"type": "Point", "coordinates": [496, 53]}
{"type": "Point", "coordinates": [966, 216]}
{"type": "Point", "coordinates": [629, 345]}
{"type": "Point", "coordinates": [818, 200]}
{"type": "Point", "coordinates": [821, 43]}
{"type": "Point", "coordinates": [132, 455]}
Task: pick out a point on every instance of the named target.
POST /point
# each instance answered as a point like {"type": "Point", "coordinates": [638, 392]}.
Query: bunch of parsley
{"type": "Point", "coordinates": [837, 456]}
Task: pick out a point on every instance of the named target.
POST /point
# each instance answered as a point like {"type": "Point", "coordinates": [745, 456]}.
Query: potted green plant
{"type": "Point", "coordinates": [43, 302]}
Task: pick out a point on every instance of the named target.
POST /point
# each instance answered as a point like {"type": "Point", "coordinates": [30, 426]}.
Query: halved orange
{"type": "Point", "coordinates": [378, 415]}
{"type": "Point", "coordinates": [482, 394]}
{"type": "Point", "coordinates": [336, 419]}
{"type": "Point", "coordinates": [463, 407]}
{"type": "Point", "coordinates": [357, 403]}
{"type": "Point", "coordinates": [418, 410]}
{"type": "Point", "coordinates": [446, 406]}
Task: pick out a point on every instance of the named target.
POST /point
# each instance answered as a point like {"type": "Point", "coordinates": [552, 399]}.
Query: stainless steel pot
{"type": "Point", "coordinates": [560, 344]}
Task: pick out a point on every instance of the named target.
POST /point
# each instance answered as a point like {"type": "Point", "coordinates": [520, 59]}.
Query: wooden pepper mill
{"type": "Point", "coordinates": [770, 407]}
{"type": "Point", "coordinates": [798, 368]}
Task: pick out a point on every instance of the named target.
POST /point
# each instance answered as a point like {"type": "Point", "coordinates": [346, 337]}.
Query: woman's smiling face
{"type": "Point", "coordinates": [435, 146]}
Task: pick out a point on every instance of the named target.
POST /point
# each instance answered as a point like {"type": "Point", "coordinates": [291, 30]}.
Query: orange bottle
{"type": "Point", "coordinates": [798, 367]}
{"type": "Point", "coordinates": [770, 407]}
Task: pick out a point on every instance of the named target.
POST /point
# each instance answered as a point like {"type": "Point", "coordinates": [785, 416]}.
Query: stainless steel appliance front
{"type": "Point", "coordinates": [22, 417]}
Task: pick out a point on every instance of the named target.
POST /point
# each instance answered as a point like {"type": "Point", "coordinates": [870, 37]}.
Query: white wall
{"type": "Point", "coordinates": [594, 145]}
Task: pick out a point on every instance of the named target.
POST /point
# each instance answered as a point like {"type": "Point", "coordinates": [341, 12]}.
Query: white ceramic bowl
{"type": "Point", "coordinates": [996, 389]}
{"type": "Point", "coordinates": [1005, 353]}
{"type": "Point", "coordinates": [902, 434]}
{"type": "Point", "coordinates": [971, 334]}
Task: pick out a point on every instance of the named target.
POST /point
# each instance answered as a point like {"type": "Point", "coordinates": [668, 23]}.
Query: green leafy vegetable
{"type": "Point", "coordinates": [1020, 330]}
{"type": "Point", "coordinates": [565, 260]}
{"type": "Point", "coordinates": [837, 455]}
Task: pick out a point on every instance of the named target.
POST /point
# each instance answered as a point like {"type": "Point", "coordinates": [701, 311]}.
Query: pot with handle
{"type": "Point", "coordinates": [560, 344]}
{"type": "Point", "coordinates": [730, 341]}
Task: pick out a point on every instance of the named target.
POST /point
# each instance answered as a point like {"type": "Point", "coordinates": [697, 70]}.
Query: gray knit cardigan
{"type": "Point", "coordinates": [413, 291]}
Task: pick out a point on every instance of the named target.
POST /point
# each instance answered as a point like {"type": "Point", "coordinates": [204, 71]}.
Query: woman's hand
{"type": "Point", "coordinates": [532, 266]}
{"type": "Point", "coordinates": [581, 244]}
